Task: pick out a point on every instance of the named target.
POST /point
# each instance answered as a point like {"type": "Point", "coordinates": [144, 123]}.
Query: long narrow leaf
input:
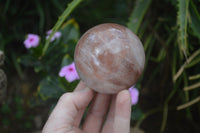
{"type": "Point", "coordinates": [138, 14]}
{"type": "Point", "coordinates": [194, 19]}
{"type": "Point", "coordinates": [194, 77]}
{"type": "Point", "coordinates": [41, 15]}
{"type": "Point", "coordinates": [176, 76]}
{"type": "Point", "coordinates": [60, 21]}
{"type": "Point", "coordinates": [196, 100]}
{"type": "Point", "coordinates": [191, 87]}
{"type": "Point", "coordinates": [182, 23]}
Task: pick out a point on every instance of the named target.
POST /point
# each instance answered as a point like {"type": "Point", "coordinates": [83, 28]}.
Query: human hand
{"type": "Point", "coordinates": [66, 116]}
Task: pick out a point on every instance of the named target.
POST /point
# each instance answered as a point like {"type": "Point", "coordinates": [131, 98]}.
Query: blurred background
{"type": "Point", "coordinates": [169, 100]}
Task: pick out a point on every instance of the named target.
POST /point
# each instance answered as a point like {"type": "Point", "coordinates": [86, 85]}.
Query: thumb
{"type": "Point", "coordinates": [122, 112]}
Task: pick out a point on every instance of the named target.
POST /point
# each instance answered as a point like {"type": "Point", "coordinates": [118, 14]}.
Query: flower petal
{"type": "Point", "coordinates": [69, 72]}
{"type": "Point", "coordinates": [63, 71]}
{"type": "Point", "coordinates": [49, 32]}
{"type": "Point", "coordinates": [134, 95]}
{"type": "Point", "coordinates": [71, 77]}
{"type": "Point", "coordinates": [55, 36]}
{"type": "Point", "coordinates": [32, 40]}
{"type": "Point", "coordinates": [58, 34]}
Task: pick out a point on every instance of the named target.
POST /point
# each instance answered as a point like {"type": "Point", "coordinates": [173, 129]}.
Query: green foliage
{"type": "Point", "coordinates": [58, 49]}
{"type": "Point", "coordinates": [182, 23]}
{"type": "Point", "coordinates": [50, 88]}
{"type": "Point", "coordinates": [194, 19]}
{"type": "Point", "coordinates": [59, 54]}
{"type": "Point", "coordinates": [16, 117]}
{"type": "Point", "coordinates": [137, 14]}
{"type": "Point", "coordinates": [159, 31]}
{"type": "Point", "coordinates": [20, 17]}
{"type": "Point", "coordinates": [137, 113]}
{"type": "Point", "coordinates": [62, 18]}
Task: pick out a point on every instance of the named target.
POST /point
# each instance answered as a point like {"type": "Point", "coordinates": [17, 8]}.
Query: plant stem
{"type": "Point", "coordinates": [188, 103]}
{"type": "Point", "coordinates": [165, 112]}
{"type": "Point", "coordinates": [164, 121]}
{"type": "Point", "coordinates": [17, 67]}
{"type": "Point", "coordinates": [194, 77]}
{"type": "Point", "coordinates": [176, 76]}
{"type": "Point", "coordinates": [60, 21]}
{"type": "Point", "coordinates": [191, 87]}
{"type": "Point", "coordinates": [150, 112]}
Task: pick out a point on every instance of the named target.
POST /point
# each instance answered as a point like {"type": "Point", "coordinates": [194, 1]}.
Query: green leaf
{"type": "Point", "coordinates": [50, 88]}
{"type": "Point", "coordinates": [162, 53]}
{"type": "Point", "coordinates": [28, 60]}
{"type": "Point", "coordinates": [58, 5]}
{"type": "Point", "coordinates": [182, 23]}
{"type": "Point", "coordinates": [41, 14]}
{"type": "Point", "coordinates": [66, 60]}
{"type": "Point", "coordinates": [188, 61]}
{"type": "Point", "coordinates": [194, 77]}
{"type": "Point", "coordinates": [194, 19]}
{"type": "Point", "coordinates": [194, 62]}
{"type": "Point", "coordinates": [137, 14]}
{"type": "Point", "coordinates": [60, 21]}
{"type": "Point", "coordinates": [136, 113]}
{"type": "Point", "coordinates": [66, 44]}
{"type": "Point", "coordinates": [160, 56]}
{"type": "Point", "coordinates": [37, 51]}
{"type": "Point", "coordinates": [70, 86]}
{"type": "Point", "coordinates": [70, 31]}
{"type": "Point", "coordinates": [52, 59]}
{"type": "Point", "coordinates": [70, 36]}
{"type": "Point", "coordinates": [5, 109]}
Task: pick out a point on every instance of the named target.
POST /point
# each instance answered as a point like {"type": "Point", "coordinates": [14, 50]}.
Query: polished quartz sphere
{"type": "Point", "coordinates": [109, 58]}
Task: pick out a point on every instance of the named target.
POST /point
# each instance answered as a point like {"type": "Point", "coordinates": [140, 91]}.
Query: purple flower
{"type": "Point", "coordinates": [134, 95]}
{"type": "Point", "coordinates": [32, 40]}
{"type": "Point", "coordinates": [69, 72]}
{"type": "Point", "coordinates": [57, 35]}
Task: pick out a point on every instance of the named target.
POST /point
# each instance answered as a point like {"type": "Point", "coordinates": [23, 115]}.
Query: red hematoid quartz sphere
{"type": "Point", "coordinates": [109, 58]}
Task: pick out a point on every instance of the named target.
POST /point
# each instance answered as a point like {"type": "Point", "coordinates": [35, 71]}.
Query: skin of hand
{"type": "Point", "coordinates": [106, 114]}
